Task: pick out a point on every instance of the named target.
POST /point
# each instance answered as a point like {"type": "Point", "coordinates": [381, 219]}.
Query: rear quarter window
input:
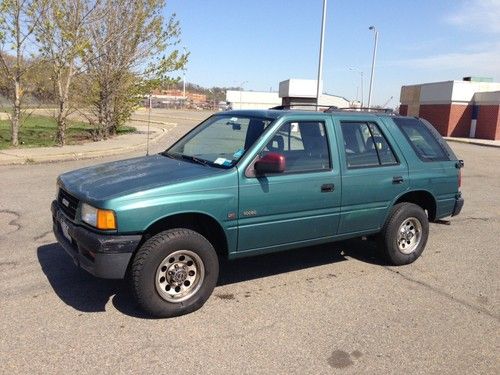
{"type": "Point", "coordinates": [424, 139]}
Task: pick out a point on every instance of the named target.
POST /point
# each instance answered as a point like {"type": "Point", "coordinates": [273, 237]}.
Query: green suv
{"type": "Point", "coordinates": [244, 183]}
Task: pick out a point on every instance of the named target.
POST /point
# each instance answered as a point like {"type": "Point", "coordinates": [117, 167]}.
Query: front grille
{"type": "Point", "coordinates": [68, 203]}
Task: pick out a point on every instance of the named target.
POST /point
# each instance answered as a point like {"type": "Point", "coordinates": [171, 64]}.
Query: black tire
{"type": "Point", "coordinates": [159, 250]}
{"type": "Point", "coordinates": [397, 250]}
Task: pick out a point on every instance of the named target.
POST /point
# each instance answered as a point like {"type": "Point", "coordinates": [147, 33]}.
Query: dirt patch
{"type": "Point", "coordinates": [340, 359]}
{"type": "Point", "coordinates": [8, 222]}
{"type": "Point", "coordinates": [225, 296]}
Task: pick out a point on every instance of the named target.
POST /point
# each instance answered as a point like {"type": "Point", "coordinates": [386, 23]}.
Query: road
{"type": "Point", "coordinates": [327, 309]}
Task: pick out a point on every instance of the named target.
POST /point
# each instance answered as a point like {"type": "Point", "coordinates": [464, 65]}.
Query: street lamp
{"type": "Point", "coordinates": [373, 64]}
{"type": "Point", "coordinates": [320, 63]}
{"type": "Point", "coordinates": [241, 88]}
{"type": "Point", "coordinates": [361, 75]}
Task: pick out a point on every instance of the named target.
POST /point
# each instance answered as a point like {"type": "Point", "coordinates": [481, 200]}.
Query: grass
{"type": "Point", "coordinates": [40, 131]}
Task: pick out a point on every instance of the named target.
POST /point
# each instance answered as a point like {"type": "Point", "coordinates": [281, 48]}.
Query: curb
{"type": "Point", "coordinates": [471, 142]}
{"type": "Point", "coordinates": [159, 133]}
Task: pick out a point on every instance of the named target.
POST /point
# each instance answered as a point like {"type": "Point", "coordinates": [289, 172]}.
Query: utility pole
{"type": "Point", "coordinates": [320, 64]}
{"type": "Point", "coordinates": [241, 89]}
{"type": "Point", "coordinates": [361, 76]}
{"type": "Point", "coordinates": [373, 65]}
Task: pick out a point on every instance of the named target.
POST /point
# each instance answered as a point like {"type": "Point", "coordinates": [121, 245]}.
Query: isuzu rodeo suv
{"type": "Point", "coordinates": [250, 182]}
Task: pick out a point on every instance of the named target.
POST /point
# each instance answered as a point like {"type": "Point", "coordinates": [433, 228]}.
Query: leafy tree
{"type": "Point", "coordinates": [18, 21]}
{"type": "Point", "coordinates": [132, 51]}
{"type": "Point", "coordinates": [63, 37]}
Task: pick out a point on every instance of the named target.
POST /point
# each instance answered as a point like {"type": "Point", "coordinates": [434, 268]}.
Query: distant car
{"type": "Point", "coordinates": [224, 106]}
{"type": "Point", "coordinates": [244, 183]}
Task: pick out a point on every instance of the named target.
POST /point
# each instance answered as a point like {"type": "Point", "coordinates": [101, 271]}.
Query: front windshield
{"type": "Point", "coordinates": [220, 141]}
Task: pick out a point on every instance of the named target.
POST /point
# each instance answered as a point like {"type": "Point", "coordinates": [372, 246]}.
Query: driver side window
{"type": "Point", "coordinates": [303, 144]}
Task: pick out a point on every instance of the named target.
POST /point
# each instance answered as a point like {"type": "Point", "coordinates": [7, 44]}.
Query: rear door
{"type": "Point", "coordinates": [374, 172]}
{"type": "Point", "coordinates": [301, 204]}
{"type": "Point", "coordinates": [434, 166]}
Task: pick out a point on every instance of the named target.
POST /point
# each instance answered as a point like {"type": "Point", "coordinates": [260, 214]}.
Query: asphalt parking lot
{"type": "Point", "coordinates": [328, 309]}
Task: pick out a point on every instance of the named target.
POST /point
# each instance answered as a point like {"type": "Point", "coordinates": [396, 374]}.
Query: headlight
{"type": "Point", "coordinates": [100, 219]}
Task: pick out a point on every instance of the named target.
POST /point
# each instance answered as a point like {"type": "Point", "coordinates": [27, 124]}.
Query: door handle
{"type": "Point", "coordinates": [327, 188]}
{"type": "Point", "coordinates": [397, 180]}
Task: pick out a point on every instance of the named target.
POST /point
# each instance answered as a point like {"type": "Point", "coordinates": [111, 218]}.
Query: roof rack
{"type": "Point", "coordinates": [361, 109]}
{"type": "Point", "coordinates": [329, 108]}
{"type": "Point", "coordinates": [289, 106]}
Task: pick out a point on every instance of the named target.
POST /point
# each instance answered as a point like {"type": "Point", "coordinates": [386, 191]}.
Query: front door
{"type": "Point", "coordinates": [299, 205]}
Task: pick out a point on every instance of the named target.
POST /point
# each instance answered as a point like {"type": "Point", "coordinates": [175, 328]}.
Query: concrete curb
{"type": "Point", "coordinates": [156, 133]}
{"type": "Point", "coordinates": [485, 143]}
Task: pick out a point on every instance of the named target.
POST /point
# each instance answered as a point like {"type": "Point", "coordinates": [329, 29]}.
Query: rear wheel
{"type": "Point", "coordinates": [174, 273]}
{"type": "Point", "coordinates": [405, 234]}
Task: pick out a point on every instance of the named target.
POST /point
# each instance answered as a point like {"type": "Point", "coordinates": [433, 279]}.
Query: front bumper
{"type": "Point", "coordinates": [102, 255]}
{"type": "Point", "coordinates": [459, 203]}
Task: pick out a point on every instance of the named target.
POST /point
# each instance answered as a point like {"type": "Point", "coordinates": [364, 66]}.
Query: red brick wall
{"type": "Point", "coordinates": [488, 122]}
{"type": "Point", "coordinates": [460, 119]}
{"type": "Point", "coordinates": [452, 120]}
{"type": "Point", "coordinates": [403, 110]}
{"type": "Point", "coordinates": [438, 115]}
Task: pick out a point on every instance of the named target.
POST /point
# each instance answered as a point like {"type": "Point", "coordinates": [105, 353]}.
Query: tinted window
{"type": "Point", "coordinates": [424, 142]}
{"type": "Point", "coordinates": [366, 146]}
{"type": "Point", "coordinates": [303, 144]}
{"type": "Point", "coordinates": [385, 152]}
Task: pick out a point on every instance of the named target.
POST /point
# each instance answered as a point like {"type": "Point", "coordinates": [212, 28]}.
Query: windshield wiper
{"type": "Point", "coordinates": [191, 158]}
{"type": "Point", "coordinates": [196, 160]}
{"type": "Point", "coordinates": [171, 155]}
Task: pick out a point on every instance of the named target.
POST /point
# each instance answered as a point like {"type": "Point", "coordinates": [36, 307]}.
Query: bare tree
{"type": "Point", "coordinates": [63, 38]}
{"type": "Point", "coordinates": [18, 21]}
{"type": "Point", "coordinates": [128, 57]}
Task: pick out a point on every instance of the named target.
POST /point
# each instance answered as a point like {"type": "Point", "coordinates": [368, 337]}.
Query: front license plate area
{"type": "Point", "coordinates": [65, 230]}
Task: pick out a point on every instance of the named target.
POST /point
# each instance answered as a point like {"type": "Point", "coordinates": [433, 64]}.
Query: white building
{"type": "Point", "coordinates": [252, 99]}
{"type": "Point", "coordinates": [303, 91]}
{"type": "Point", "coordinates": [291, 92]}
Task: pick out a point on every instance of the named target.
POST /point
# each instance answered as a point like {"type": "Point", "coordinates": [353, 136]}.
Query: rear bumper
{"type": "Point", "coordinates": [459, 203]}
{"type": "Point", "coordinates": [102, 255]}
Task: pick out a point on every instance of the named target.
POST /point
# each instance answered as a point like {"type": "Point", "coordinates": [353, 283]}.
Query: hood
{"type": "Point", "coordinates": [110, 180]}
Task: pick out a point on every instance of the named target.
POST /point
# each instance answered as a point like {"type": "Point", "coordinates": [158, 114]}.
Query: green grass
{"type": "Point", "coordinates": [40, 131]}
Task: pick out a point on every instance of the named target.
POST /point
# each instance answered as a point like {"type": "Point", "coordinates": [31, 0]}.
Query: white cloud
{"type": "Point", "coordinates": [479, 15]}
{"type": "Point", "coordinates": [483, 61]}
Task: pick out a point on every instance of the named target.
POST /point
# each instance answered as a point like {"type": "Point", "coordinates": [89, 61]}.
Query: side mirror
{"type": "Point", "coordinates": [270, 163]}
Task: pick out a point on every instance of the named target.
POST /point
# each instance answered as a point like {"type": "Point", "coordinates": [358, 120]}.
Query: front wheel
{"type": "Point", "coordinates": [405, 234]}
{"type": "Point", "coordinates": [174, 273]}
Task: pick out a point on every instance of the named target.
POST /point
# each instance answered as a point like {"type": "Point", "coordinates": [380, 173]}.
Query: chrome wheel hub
{"type": "Point", "coordinates": [409, 235]}
{"type": "Point", "coordinates": [179, 276]}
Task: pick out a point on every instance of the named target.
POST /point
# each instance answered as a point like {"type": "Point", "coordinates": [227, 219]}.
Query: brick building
{"type": "Point", "coordinates": [467, 108]}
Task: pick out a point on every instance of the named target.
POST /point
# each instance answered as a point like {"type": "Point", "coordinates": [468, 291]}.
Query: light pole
{"type": "Point", "coordinates": [320, 64]}
{"type": "Point", "coordinates": [373, 65]}
{"type": "Point", "coordinates": [361, 76]}
{"type": "Point", "coordinates": [241, 88]}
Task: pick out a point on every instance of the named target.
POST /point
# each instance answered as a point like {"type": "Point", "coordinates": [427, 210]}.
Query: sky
{"type": "Point", "coordinates": [258, 43]}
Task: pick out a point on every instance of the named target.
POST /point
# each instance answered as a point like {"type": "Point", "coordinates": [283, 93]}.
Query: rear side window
{"type": "Point", "coordinates": [366, 146]}
{"type": "Point", "coordinates": [428, 145]}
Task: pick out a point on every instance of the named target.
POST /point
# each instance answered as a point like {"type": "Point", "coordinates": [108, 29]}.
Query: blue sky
{"type": "Point", "coordinates": [263, 42]}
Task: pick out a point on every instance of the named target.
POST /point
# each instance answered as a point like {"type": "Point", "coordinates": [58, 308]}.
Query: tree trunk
{"type": "Point", "coordinates": [16, 115]}
{"type": "Point", "coordinates": [61, 123]}
{"type": "Point", "coordinates": [63, 98]}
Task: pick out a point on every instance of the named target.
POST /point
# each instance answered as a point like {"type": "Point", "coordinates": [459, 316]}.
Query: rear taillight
{"type": "Point", "coordinates": [459, 165]}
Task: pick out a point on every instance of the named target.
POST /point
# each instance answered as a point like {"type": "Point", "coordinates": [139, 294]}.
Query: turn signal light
{"type": "Point", "coordinates": [105, 219]}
